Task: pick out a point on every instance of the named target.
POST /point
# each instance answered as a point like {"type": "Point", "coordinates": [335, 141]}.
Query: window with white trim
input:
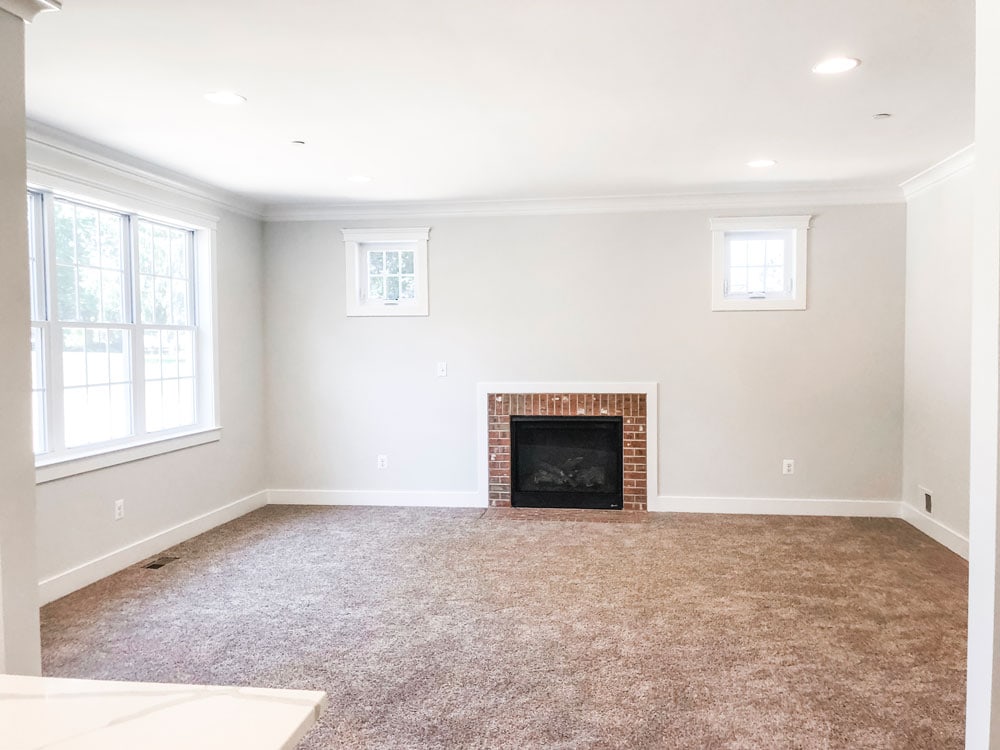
{"type": "Point", "coordinates": [386, 271]}
{"type": "Point", "coordinates": [120, 354]}
{"type": "Point", "coordinates": [759, 263]}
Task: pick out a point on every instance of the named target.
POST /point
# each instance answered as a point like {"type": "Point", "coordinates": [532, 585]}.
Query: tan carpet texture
{"type": "Point", "coordinates": [434, 628]}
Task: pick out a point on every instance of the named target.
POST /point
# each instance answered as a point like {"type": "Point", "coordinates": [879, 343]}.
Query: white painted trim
{"type": "Point", "coordinates": [758, 223]}
{"type": "Point", "coordinates": [397, 498]}
{"type": "Point", "coordinates": [61, 584]}
{"type": "Point", "coordinates": [482, 423]}
{"type": "Point", "coordinates": [28, 9]}
{"type": "Point", "coordinates": [789, 199]}
{"type": "Point", "coordinates": [776, 506]}
{"type": "Point", "coordinates": [939, 532]}
{"type": "Point", "coordinates": [62, 467]}
{"type": "Point", "coordinates": [943, 170]}
{"type": "Point", "coordinates": [50, 148]}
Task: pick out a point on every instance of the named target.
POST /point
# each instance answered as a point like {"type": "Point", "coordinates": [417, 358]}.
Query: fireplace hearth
{"type": "Point", "coordinates": [566, 462]}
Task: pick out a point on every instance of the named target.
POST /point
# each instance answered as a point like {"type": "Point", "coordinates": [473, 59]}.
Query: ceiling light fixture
{"type": "Point", "coordinates": [298, 143]}
{"type": "Point", "coordinates": [760, 163]}
{"type": "Point", "coordinates": [836, 65]}
{"type": "Point", "coordinates": [225, 97]}
{"type": "Point", "coordinates": [360, 178]}
{"type": "Point", "coordinates": [882, 116]}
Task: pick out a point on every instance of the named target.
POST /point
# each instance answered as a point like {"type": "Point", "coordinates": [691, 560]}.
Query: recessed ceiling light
{"type": "Point", "coordinates": [882, 116]}
{"type": "Point", "coordinates": [359, 178]}
{"type": "Point", "coordinates": [225, 97]}
{"type": "Point", "coordinates": [836, 65]}
{"type": "Point", "coordinates": [298, 143]}
{"type": "Point", "coordinates": [759, 163]}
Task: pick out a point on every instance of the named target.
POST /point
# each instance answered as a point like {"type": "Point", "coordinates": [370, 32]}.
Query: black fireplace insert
{"type": "Point", "coordinates": [566, 462]}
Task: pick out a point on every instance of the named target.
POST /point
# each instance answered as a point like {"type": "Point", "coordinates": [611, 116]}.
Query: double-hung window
{"type": "Point", "coordinates": [121, 355]}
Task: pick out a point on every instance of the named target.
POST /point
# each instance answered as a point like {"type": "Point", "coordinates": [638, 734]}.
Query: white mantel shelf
{"type": "Point", "coordinates": [46, 712]}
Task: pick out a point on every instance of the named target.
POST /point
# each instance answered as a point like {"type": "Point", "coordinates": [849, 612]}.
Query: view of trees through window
{"type": "Point", "coordinates": [113, 333]}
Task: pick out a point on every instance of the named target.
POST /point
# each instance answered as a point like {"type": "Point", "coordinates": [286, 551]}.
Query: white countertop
{"type": "Point", "coordinates": [47, 712]}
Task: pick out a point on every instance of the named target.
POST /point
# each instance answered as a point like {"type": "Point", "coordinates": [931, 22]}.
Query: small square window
{"type": "Point", "coordinates": [759, 263]}
{"type": "Point", "coordinates": [386, 271]}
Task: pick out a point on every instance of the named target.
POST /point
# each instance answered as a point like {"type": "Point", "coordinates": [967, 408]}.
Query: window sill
{"type": "Point", "coordinates": [48, 470]}
{"type": "Point", "coordinates": [747, 304]}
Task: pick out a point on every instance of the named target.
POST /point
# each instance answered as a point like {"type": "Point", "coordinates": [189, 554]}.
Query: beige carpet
{"type": "Point", "coordinates": [447, 629]}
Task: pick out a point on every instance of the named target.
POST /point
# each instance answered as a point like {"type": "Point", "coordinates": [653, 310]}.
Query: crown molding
{"type": "Point", "coordinates": [28, 9]}
{"type": "Point", "coordinates": [591, 205]}
{"type": "Point", "coordinates": [943, 170]}
{"type": "Point", "coordinates": [45, 142]}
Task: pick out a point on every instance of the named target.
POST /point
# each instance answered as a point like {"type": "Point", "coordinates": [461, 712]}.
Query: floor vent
{"type": "Point", "coordinates": [160, 562]}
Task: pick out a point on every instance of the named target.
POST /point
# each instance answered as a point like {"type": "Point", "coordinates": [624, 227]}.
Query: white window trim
{"type": "Point", "coordinates": [91, 458]}
{"type": "Point", "coordinates": [798, 225]}
{"type": "Point", "coordinates": [49, 469]}
{"type": "Point", "coordinates": [354, 248]}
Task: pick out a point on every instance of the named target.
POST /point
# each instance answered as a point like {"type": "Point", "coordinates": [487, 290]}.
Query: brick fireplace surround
{"type": "Point", "coordinates": [630, 406]}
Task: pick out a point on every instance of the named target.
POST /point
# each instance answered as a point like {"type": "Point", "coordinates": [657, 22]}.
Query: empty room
{"type": "Point", "coordinates": [554, 374]}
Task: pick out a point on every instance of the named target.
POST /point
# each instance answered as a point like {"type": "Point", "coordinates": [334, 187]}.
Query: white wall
{"type": "Point", "coordinates": [19, 650]}
{"type": "Point", "coordinates": [939, 236]}
{"type": "Point", "coordinates": [601, 298]}
{"type": "Point", "coordinates": [75, 515]}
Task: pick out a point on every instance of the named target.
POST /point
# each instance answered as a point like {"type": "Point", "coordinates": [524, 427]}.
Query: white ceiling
{"type": "Point", "coordinates": [509, 99]}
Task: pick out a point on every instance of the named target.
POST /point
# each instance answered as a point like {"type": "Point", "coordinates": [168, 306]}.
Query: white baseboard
{"type": "Point", "coordinates": [776, 506]}
{"type": "Point", "coordinates": [401, 498]}
{"type": "Point", "coordinates": [76, 578]}
{"type": "Point", "coordinates": [936, 530]}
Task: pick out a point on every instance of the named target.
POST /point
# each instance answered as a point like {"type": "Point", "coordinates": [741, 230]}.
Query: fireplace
{"type": "Point", "coordinates": [566, 462]}
{"type": "Point", "coordinates": [503, 408]}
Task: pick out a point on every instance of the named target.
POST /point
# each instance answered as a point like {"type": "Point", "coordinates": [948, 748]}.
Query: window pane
{"type": "Point", "coordinates": [775, 279]}
{"type": "Point", "coordinates": [89, 291]}
{"type": "Point", "coordinates": [168, 353]}
{"type": "Point", "coordinates": [154, 406]}
{"type": "Point", "coordinates": [775, 253]}
{"type": "Point", "coordinates": [87, 251]}
{"type": "Point", "coordinates": [737, 253]}
{"type": "Point", "coordinates": [74, 358]}
{"type": "Point", "coordinates": [65, 238]}
{"type": "Point", "coordinates": [144, 230]}
{"type": "Point", "coordinates": [161, 250]}
{"type": "Point", "coordinates": [391, 262]}
{"type": "Point", "coordinates": [406, 262]}
{"type": "Point", "coordinates": [88, 240]}
{"type": "Point", "coordinates": [66, 292]}
{"type": "Point", "coordinates": [755, 252]}
{"type": "Point", "coordinates": [407, 289]}
{"type": "Point", "coordinates": [755, 280]}
{"type": "Point", "coordinates": [738, 281]}
{"type": "Point", "coordinates": [179, 307]}
{"type": "Point", "coordinates": [185, 401]}
{"type": "Point", "coordinates": [376, 287]}
{"type": "Point", "coordinates": [147, 301]}
{"type": "Point", "coordinates": [178, 254]}
{"type": "Point", "coordinates": [97, 400]}
{"type": "Point", "coordinates": [185, 353]}
{"type": "Point", "coordinates": [375, 265]}
{"type": "Point", "coordinates": [392, 287]}
{"type": "Point", "coordinates": [112, 239]}
{"type": "Point", "coordinates": [151, 345]}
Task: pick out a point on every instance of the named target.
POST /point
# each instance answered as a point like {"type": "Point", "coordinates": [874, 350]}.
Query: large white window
{"type": "Point", "coordinates": [386, 271]}
{"type": "Point", "coordinates": [759, 263]}
{"type": "Point", "coordinates": [120, 353]}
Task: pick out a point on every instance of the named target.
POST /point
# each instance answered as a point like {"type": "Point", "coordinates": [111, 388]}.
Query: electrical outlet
{"type": "Point", "coordinates": [788, 466]}
{"type": "Point", "coordinates": [442, 369]}
{"type": "Point", "coordinates": [382, 462]}
{"type": "Point", "coordinates": [928, 498]}
{"type": "Point", "coordinates": [119, 509]}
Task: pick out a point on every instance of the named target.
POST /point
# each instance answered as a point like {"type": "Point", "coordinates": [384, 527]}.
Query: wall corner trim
{"type": "Point", "coordinates": [28, 9]}
{"type": "Point", "coordinates": [943, 170]}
